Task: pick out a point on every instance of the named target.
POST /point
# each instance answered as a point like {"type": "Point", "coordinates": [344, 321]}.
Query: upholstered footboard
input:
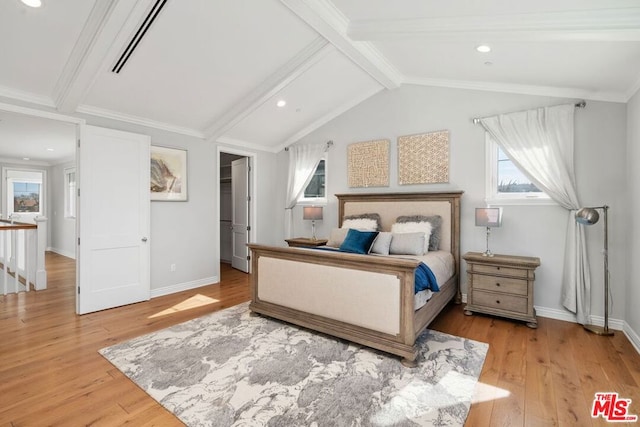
{"type": "Point", "coordinates": [364, 299]}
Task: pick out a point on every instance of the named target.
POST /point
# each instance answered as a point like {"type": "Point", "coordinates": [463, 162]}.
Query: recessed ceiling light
{"type": "Point", "coordinates": [32, 3]}
{"type": "Point", "coordinates": [26, 158]}
{"type": "Point", "coordinates": [50, 149]}
{"type": "Point", "coordinates": [281, 103]}
{"type": "Point", "coordinates": [483, 48]}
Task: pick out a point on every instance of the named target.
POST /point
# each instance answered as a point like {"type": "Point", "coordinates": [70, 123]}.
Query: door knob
{"type": "Point", "coordinates": [144, 239]}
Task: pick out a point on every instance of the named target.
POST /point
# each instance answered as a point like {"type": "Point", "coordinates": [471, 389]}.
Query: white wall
{"type": "Point", "coordinates": [633, 230]}
{"type": "Point", "coordinates": [186, 233]}
{"type": "Point", "coordinates": [63, 230]}
{"type": "Point", "coordinates": [528, 230]}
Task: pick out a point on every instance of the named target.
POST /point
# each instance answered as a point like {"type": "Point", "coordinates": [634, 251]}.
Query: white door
{"type": "Point", "coordinates": [240, 213]}
{"type": "Point", "coordinates": [113, 229]}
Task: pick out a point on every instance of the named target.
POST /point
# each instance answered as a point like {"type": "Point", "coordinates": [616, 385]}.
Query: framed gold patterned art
{"type": "Point", "coordinates": [423, 158]}
{"type": "Point", "coordinates": [368, 163]}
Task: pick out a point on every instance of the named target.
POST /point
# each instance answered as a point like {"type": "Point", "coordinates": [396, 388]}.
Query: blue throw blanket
{"type": "Point", "coordinates": [424, 277]}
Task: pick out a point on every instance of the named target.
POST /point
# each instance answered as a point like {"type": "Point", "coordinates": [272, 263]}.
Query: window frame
{"type": "Point", "coordinates": [492, 196]}
{"type": "Point", "coordinates": [316, 201]}
{"type": "Point", "coordinates": [69, 194]}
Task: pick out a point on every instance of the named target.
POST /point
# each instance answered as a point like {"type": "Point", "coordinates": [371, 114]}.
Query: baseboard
{"type": "Point", "coordinates": [62, 252]}
{"type": "Point", "coordinates": [167, 290]}
{"type": "Point", "coordinates": [632, 336]}
{"type": "Point", "coordinates": [567, 316]}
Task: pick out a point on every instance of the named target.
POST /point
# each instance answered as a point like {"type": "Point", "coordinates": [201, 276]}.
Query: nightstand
{"type": "Point", "coordinates": [501, 285]}
{"type": "Point", "coordinates": [305, 242]}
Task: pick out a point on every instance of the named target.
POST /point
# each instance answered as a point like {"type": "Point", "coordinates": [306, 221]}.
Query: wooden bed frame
{"type": "Point", "coordinates": [362, 298]}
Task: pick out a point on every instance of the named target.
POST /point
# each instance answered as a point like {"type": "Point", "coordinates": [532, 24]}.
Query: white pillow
{"type": "Point", "coordinates": [408, 243]}
{"type": "Point", "coordinates": [382, 243]}
{"type": "Point", "coordinates": [337, 237]}
{"type": "Point", "coordinates": [414, 227]}
{"type": "Point", "coordinates": [361, 224]}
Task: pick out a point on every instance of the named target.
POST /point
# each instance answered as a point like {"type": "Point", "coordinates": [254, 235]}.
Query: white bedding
{"type": "Point", "coordinates": [441, 264]}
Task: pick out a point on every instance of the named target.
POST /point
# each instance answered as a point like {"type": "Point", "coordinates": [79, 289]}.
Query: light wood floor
{"type": "Point", "coordinates": [51, 372]}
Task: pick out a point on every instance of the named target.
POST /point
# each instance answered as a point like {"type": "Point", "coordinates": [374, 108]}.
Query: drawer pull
{"type": "Point", "coordinates": [498, 268]}
{"type": "Point", "coordinates": [497, 301]}
{"type": "Point", "coordinates": [497, 284]}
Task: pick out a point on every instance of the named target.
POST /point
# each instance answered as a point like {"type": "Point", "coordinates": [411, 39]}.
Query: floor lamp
{"type": "Point", "coordinates": [589, 216]}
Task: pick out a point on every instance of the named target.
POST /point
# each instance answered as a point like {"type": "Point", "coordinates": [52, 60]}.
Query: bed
{"type": "Point", "coordinates": [366, 299]}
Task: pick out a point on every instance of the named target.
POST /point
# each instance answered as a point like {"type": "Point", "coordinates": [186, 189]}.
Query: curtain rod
{"type": "Point", "coordinates": [580, 104]}
{"type": "Point", "coordinates": [329, 145]}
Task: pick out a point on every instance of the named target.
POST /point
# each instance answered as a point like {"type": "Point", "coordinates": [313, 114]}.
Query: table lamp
{"type": "Point", "coordinates": [312, 213]}
{"type": "Point", "coordinates": [488, 217]}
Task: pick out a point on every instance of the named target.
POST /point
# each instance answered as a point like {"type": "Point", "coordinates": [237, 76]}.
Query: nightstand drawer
{"type": "Point", "coordinates": [500, 301]}
{"type": "Point", "coordinates": [502, 271]}
{"type": "Point", "coordinates": [500, 284]}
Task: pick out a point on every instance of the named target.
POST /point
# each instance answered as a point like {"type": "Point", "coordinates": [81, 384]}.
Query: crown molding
{"type": "Point", "coordinates": [327, 118]}
{"type": "Point", "coordinates": [31, 98]}
{"type": "Point", "coordinates": [633, 90]}
{"type": "Point", "coordinates": [232, 142]}
{"type": "Point", "coordinates": [621, 24]}
{"type": "Point", "coordinates": [556, 92]}
{"type": "Point", "coordinates": [141, 121]}
{"type": "Point", "coordinates": [324, 17]}
{"type": "Point", "coordinates": [293, 69]}
{"type": "Point", "coordinates": [9, 160]}
{"type": "Point", "coordinates": [108, 27]}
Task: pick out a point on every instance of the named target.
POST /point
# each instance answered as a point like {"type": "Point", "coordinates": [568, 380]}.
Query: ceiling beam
{"type": "Point", "coordinates": [326, 19]}
{"type": "Point", "coordinates": [293, 69]}
{"type": "Point", "coordinates": [109, 25]}
{"type": "Point", "coordinates": [621, 24]}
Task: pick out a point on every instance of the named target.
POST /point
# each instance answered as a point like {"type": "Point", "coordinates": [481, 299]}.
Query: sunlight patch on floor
{"type": "Point", "coordinates": [418, 399]}
{"type": "Point", "coordinates": [188, 304]}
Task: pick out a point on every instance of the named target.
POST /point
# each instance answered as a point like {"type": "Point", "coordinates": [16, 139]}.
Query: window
{"type": "Point", "coordinates": [25, 192]}
{"type": "Point", "coordinates": [70, 193]}
{"type": "Point", "coordinates": [506, 184]}
{"type": "Point", "coordinates": [26, 196]}
{"type": "Point", "coordinates": [315, 192]}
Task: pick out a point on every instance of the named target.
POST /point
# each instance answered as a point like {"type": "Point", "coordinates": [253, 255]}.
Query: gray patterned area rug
{"type": "Point", "coordinates": [231, 369]}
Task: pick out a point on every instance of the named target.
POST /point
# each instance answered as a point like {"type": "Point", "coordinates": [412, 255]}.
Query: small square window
{"type": "Point", "coordinates": [315, 192]}
{"type": "Point", "coordinates": [506, 184]}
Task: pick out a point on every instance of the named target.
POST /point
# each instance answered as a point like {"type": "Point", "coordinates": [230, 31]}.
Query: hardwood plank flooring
{"type": "Point", "coordinates": [51, 372]}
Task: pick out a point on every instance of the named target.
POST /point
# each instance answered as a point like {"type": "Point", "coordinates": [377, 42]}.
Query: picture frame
{"type": "Point", "coordinates": [168, 174]}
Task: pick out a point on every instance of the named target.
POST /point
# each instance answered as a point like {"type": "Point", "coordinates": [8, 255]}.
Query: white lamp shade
{"type": "Point", "coordinates": [488, 217]}
{"type": "Point", "coordinates": [312, 212]}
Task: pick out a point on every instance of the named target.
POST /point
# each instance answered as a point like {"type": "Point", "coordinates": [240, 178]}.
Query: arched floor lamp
{"type": "Point", "coordinates": [589, 216]}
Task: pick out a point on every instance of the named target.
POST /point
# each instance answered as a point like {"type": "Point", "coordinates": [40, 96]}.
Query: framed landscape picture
{"type": "Point", "coordinates": [168, 174]}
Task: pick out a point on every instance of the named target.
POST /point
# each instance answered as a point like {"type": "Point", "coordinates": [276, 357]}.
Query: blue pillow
{"type": "Point", "coordinates": [358, 242]}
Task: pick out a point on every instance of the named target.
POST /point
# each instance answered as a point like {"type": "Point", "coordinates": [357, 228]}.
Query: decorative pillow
{"type": "Point", "coordinates": [337, 237]}
{"type": "Point", "coordinates": [407, 244]}
{"type": "Point", "coordinates": [373, 216]}
{"type": "Point", "coordinates": [358, 242]}
{"type": "Point", "coordinates": [362, 224]}
{"type": "Point", "coordinates": [382, 243]}
{"type": "Point", "coordinates": [436, 227]}
{"type": "Point", "coordinates": [413, 227]}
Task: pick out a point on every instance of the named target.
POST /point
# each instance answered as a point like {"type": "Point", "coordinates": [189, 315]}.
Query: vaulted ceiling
{"type": "Point", "coordinates": [215, 69]}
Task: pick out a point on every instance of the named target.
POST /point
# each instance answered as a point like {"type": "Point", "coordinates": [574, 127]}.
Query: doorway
{"type": "Point", "coordinates": [37, 154]}
{"type": "Point", "coordinates": [236, 208]}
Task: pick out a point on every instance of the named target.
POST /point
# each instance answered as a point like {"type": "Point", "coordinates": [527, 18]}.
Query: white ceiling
{"type": "Point", "coordinates": [215, 69]}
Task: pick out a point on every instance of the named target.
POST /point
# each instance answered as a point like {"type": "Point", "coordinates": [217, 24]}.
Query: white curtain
{"type": "Point", "coordinates": [540, 142]}
{"type": "Point", "coordinates": [303, 160]}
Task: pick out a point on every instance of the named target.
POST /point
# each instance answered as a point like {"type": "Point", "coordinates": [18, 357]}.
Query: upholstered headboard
{"type": "Point", "coordinates": [392, 205]}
